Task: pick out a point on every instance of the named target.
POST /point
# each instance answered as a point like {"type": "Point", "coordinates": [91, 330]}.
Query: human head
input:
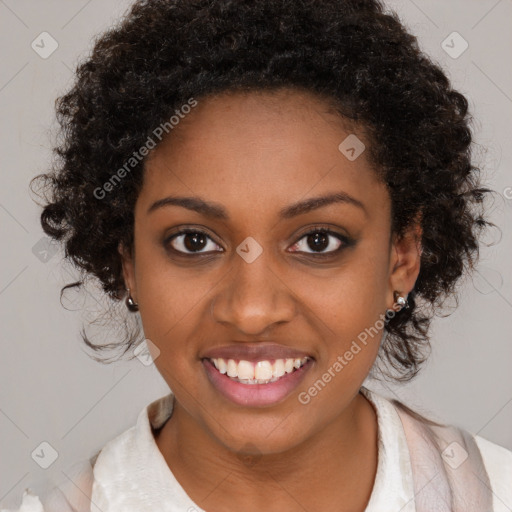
{"type": "Point", "coordinates": [352, 53]}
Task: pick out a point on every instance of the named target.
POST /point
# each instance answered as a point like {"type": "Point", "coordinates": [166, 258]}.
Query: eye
{"type": "Point", "coordinates": [321, 241]}
{"type": "Point", "coordinates": [191, 241]}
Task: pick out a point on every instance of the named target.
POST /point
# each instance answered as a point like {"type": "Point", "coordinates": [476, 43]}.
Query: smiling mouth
{"type": "Point", "coordinates": [257, 372]}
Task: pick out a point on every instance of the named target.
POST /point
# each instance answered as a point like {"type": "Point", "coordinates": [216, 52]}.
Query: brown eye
{"type": "Point", "coordinates": [191, 242]}
{"type": "Point", "coordinates": [320, 242]}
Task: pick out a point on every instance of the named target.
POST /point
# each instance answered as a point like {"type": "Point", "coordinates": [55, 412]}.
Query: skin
{"type": "Point", "coordinates": [255, 154]}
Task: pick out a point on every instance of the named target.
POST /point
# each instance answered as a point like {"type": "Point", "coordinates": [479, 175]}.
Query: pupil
{"type": "Point", "coordinates": [198, 241]}
{"type": "Point", "coordinates": [320, 240]}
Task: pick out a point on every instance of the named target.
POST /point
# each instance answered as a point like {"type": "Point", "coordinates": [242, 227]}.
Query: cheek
{"type": "Point", "coordinates": [351, 296]}
{"type": "Point", "coordinates": [171, 298]}
{"type": "Point", "coordinates": [171, 305]}
{"type": "Point", "coordinates": [346, 310]}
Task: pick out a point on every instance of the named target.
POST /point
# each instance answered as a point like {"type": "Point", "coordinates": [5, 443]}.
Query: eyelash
{"type": "Point", "coordinates": [345, 242]}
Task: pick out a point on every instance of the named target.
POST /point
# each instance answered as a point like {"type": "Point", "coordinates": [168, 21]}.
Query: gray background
{"type": "Point", "coordinates": [50, 390]}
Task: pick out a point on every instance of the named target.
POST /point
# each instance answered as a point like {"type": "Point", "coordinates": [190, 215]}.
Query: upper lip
{"type": "Point", "coordinates": [255, 352]}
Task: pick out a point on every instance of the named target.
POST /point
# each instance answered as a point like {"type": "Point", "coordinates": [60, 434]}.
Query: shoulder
{"type": "Point", "coordinates": [29, 503]}
{"type": "Point", "coordinates": [470, 461]}
{"type": "Point", "coordinates": [474, 470]}
{"type": "Point", "coordinates": [498, 464]}
{"type": "Point", "coordinates": [72, 494]}
{"type": "Point", "coordinates": [127, 449]}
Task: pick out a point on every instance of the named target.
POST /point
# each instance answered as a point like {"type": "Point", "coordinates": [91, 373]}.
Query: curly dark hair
{"type": "Point", "coordinates": [355, 54]}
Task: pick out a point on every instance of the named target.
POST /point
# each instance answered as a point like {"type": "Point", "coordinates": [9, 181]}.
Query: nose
{"type": "Point", "coordinates": [253, 298]}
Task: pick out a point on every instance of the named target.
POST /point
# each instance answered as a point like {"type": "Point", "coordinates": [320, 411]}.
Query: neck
{"type": "Point", "coordinates": [336, 466]}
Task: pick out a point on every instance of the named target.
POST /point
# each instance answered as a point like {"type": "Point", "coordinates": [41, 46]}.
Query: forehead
{"type": "Point", "coordinates": [253, 150]}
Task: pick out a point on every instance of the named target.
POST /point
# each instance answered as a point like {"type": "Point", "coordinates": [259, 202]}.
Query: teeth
{"type": "Point", "coordinates": [260, 372]}
{"type": "Point", "coordinates": [278, 368]}
{"type": "Point", "coordinates": [232, 370]}
{"type": "Point", "coordinates": [288, 365]}
{"type": "Point", "coordinates": [245, 370]}
{"type": "Point", "coordinates": [222, 366]}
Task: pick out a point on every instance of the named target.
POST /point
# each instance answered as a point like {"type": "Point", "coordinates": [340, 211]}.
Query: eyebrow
{"type": "Point", "coordinates": [217, 211]}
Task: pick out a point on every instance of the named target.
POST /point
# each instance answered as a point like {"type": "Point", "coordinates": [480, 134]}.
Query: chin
{"type": "Point", "coordinates": [258, 437]}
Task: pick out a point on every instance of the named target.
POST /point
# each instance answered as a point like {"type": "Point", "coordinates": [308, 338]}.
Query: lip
{"type": "Point", "coordinates": [255, 395]}
{"type": "Point", "coordinates": [253, 352]}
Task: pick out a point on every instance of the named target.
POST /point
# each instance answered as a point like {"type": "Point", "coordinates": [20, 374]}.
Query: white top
{"type": "Point", "coordinates": [131, 474]}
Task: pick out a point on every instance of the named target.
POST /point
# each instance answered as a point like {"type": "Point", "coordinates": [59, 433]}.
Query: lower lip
{"type": "Point", "coordinates": [255, 395]}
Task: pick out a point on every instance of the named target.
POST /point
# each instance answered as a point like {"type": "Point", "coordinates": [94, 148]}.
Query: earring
{"type": "Point", "coordinates": [130, 303]}
{"type": "Point", "coordinates": [401, 301]}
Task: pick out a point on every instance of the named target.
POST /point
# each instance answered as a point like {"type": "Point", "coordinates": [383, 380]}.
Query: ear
{"type": "Point", "coordinates": [128, 263]}
{"type": "Point", "coordinates": [405, 259]}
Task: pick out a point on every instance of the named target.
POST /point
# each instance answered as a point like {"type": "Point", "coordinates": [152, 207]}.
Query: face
{"type": "Point", "coordinates": [242, 271]}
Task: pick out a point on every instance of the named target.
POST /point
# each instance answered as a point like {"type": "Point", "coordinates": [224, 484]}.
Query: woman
{"type": "Point", "coordinates": [284, 192]}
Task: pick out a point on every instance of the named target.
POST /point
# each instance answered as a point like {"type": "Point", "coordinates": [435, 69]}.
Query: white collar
{"type": "Point", "coordinates": [394, 486]}
{"type": "Point", "coordinates": [131, 474]}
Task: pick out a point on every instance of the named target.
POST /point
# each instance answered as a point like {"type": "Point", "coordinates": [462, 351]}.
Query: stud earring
{"type": "Point", "coordinates": [130, 303]}
{"type": "Point", "coordinates": [401, 301]}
